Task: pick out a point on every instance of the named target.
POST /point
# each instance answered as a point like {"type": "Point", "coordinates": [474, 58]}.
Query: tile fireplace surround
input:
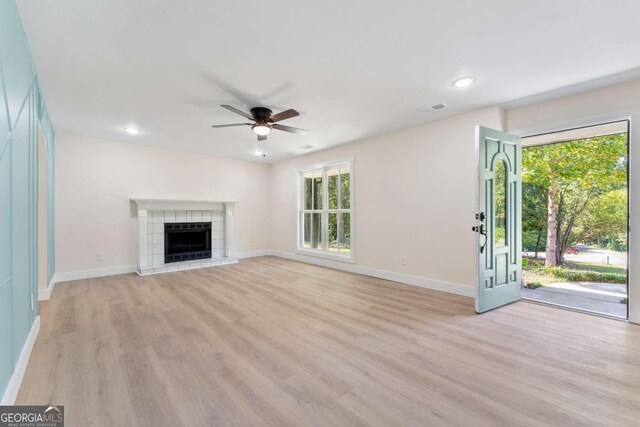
{"type": "Point", "coordinates": [153, 214]}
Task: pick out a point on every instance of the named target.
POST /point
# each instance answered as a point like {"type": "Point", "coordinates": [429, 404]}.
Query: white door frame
{"type": "Point", "coordinates": [633, 251]}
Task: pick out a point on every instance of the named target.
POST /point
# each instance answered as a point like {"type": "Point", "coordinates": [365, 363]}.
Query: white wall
{"type": "Point", "coordinates": [96, 178]}
{"type": "Point", "coordinates": [414, 192]}
{"type": "Point", "coordinates": [414, 197]}
{"type": "Point", "coordinates": [597, 106]}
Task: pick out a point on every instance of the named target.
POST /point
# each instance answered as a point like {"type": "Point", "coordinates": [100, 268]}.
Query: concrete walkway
{"type": "Point", "coordinates": [601, 298]}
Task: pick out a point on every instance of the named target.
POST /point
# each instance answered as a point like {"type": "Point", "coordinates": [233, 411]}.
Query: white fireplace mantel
{"type": "Point", "coordinates": [182, 205]}
{"type": "Point", "coordinates": [146, 208]}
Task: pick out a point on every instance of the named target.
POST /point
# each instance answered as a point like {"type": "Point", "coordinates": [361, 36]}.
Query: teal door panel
{"type": "Point", "coordinates": [5, 212]}
{"type": "Point", "coordinates": [22, 203]}
{"type": "Point", "coordinates": [21, 110]}
{"type": "Point", "coordinates": [6, 354]}
{"type": "Point", "coordinates": [6, 267]}
{"type": "Point", "coordinates": [499, 218]}
{"type": "Point", "coordinates": [17, 66]}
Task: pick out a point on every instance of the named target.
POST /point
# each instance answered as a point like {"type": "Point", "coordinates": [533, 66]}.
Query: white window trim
{"type": "Point", "coordinates": [324, 253]}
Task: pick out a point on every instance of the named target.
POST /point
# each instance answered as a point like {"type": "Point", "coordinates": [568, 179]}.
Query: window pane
{"type": "Point", "coordinates": [333, 232]}
{"type": "Point", "coordinates": [332, 176]}
{"type": "Point", "coordinates": [345, 186]}
{"type": "Point", "coordinates": [344, 232]}
{"type": "Point", "coordinates": [306, 230]}
{"type": "Point", "coordinates": [316, 231]}
{"type": "Point", "coordinates": [317, 190]}
{"type": "Point", "coordinates": [308, 185]}
{"type": "Point", "coordinates": [501, 203]}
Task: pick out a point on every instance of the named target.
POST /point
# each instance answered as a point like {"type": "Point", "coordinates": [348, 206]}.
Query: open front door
{"type": "Point", "coordinates": [498, 217]}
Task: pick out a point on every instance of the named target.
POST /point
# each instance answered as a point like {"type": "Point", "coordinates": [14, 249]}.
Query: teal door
{"type": "Point", "coordinates": [498, 218]}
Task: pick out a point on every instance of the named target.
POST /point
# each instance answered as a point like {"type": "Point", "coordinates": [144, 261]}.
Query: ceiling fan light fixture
{"type": "Point", "coordinates": [261, 129]}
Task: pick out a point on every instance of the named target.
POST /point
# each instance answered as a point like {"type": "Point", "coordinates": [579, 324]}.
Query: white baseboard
{"type": "Point", "coordinates": [45, 294]}
{"type": "Point", "coordinates": [11, 393]}
{"type": "Point", "coordinates": [98, 272]}
{"type": "Point", "coordinates": [254, 254]}
{"type": "Point", "coordinates": [112, 271]}
{"type": "Point", "coordinates": [452, 288]}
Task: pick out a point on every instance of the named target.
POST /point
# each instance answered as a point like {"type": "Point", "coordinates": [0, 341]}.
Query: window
{"type": "Point", "coordinates": [325, 222]}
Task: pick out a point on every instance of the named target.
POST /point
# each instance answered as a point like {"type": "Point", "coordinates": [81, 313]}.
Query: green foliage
{"type": "Point", "coordinates": [585, 275]}
{"type": "Point", "coordinates": [579, 177]}
{"type": "Point", "coordinates": [601, 268]}
{"type": "Point", "coordinates": [605, 222]}
{"type": "Point", "coordinates": [530, 238]}
{"type": "Point", "coordinates": [501, 204]}
{"type": "Point", "coordinates": [587, 165]}
{"type": "Point", "coordinates": [339, 224]}
{"type": "Point", "coordinates": [535, 271]}
{"type": "Point", "coordinates": [533, 285]}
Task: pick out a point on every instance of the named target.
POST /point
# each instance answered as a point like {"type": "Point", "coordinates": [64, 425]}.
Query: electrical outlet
{"type": "Point", "coordinates": [403, 260]}
{"type": "Point", "coordinates": [100, 256]}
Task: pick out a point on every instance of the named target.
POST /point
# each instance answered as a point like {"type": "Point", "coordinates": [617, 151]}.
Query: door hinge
{"type": "Point", "coordinates": [32, 306]}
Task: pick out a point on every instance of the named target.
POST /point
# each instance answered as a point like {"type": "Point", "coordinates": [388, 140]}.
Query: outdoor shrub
{"type": "Point", "coordinates": [525, 262]}
{"type": "Point", "coordinates": [585, 275]}
{"type": "Point", "coordinates": [533, 285]}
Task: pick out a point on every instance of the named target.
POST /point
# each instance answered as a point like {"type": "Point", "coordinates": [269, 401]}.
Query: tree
{"type": "Point", "coordinates": [534, 218]}
{"type": "Point", "coordinates": [606, 218]}
{"type": "Point", "coordinates": [573, 174]}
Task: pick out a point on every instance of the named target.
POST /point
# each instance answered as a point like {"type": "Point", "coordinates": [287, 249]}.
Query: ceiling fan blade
{"type": "Point", "coordinates": [283, 115]}
{"type": "Point", "coordinates": [231, 125]}
{"type": "Point", "coordinates": [262, 137]}
{"type": "Point", "coordinates": [235, 110]}
{"type": "Point", "coordinates": [290, 129]}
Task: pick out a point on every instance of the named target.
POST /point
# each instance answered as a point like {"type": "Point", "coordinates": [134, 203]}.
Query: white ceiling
{"type": "Point", "coordinates": [353, 69]}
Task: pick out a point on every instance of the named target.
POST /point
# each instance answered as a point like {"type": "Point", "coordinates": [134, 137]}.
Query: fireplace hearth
{"type": "Point", "coordinates": [186, 241]}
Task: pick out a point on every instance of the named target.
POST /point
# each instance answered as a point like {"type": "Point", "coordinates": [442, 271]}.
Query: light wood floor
{"type": "Point", "coordinates": [275, 342]}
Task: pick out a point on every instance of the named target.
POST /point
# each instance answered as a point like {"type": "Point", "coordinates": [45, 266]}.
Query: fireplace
{"type": "Point", "coordinates": [186, 241]}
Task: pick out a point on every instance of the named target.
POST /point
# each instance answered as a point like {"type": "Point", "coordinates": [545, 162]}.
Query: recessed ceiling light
{"type": "Point", "coordinates": [464, 81]}
{"type": "Point", "coordinates": [131, 131]}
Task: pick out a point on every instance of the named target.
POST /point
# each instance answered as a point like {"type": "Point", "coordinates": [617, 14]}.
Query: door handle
{"type": "Point", "coordinates": [483, 233]}
{"type": "Point", "coordinates": [480, 229]}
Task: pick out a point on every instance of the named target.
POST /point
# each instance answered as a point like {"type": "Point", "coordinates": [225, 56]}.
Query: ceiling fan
{"type": "Point", "coordinates": [264, 120]}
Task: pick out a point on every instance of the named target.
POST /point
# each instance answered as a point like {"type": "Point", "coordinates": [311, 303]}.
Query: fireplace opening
{"type": "Point", "coordinates": [186, 241]}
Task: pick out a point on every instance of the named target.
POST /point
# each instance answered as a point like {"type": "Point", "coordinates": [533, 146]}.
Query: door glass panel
{"type": "Point", "coordinates": [345, 185]}
{"type": "Point", "coordinates": [332, 176]}
{"type": "Point", "coordinates": [501, 203]}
